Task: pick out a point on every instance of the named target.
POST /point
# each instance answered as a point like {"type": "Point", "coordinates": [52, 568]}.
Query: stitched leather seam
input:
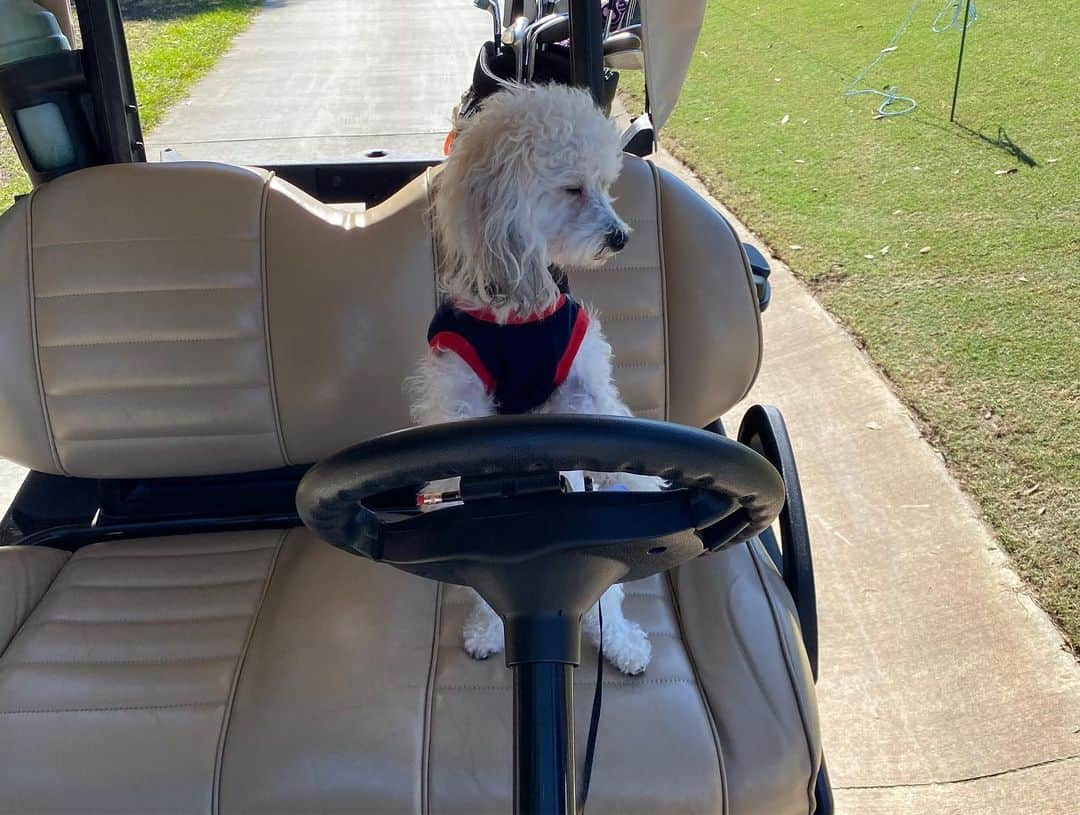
{"type": "Point", "coordinates": [179, 705]}
{"type": "Point", "coordinates": [166, 586]}
{"type": "Point", "coordinates": [215, 788]}
{"type": "Point", "coordinates": [638, 364]}
{"type": "Point", "coordinates": [785, 650]}
{"type": "Point", "coordinates": [429, 702]}
{"type": "Point", "coordinates": [25, 623]}
{"type": "Point", "coordinates": [663, 290]}
{"type": "Point", "coordinates": [264, 276]}
{"type": "Point", "coordinates": [153, 341]}
{"type": "Point", "coordinates": [648, 315]}
{"type": "Point", "coordinates": [85, 394]}
{"type": "Point", "coordinates": [149, 556]}
{"type": "Point", "coordinates": [617, 267]}
{"type": "Point", "coordinates": [701, 691]}
{"type": "Point", "coordinates": [608, 683]}
{"type": "Point", "coordinates": [179, 621]}
{"type": "Point", "coordinates": [108, 292]}
{"type": "Point", "coordinates": [187, 240]}
{"type": "Point", "coordinates": [36, 663]}
{"type": "Point", "coordinates": [32, 305]}
{"type": "Point", "coordinates": [428, 212]}
{"type": "Point", "coordinates": [165, 436]}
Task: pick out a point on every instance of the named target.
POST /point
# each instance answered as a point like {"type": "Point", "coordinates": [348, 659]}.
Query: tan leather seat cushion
{"type": "Point", "coordinates": [185, 319]}
{"type": "Point", "coordinates": [266, 672]}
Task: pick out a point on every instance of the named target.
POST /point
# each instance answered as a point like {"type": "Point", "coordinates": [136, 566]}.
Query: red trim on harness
{"type": "Point", "coordinates": [577, 334]}
{"type": "Point", "coordinates": [488, 316]}
{"type": "Point", "coordinates": [449, 341]}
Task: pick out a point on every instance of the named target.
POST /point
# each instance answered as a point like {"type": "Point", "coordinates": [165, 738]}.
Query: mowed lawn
{"type": "Point", "coordinates": [961, 280]}
{"type": "Point", "coordinates": [171, 43]}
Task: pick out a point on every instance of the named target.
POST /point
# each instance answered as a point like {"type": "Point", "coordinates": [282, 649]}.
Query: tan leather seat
{"type": "Point", "coordinates": [189, 319]}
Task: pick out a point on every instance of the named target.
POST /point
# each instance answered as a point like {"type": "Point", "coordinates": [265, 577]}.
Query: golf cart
{"type": "Point", "coordinates": [217, 592]}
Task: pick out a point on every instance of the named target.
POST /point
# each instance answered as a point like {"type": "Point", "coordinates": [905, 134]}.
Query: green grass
{"type": "Point", "coordinates": [172, 43]}
{"type": "Point", "coordinates": [981, 333]}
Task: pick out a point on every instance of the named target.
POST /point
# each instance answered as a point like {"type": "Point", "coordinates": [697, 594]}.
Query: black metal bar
{"type": "Point", "coordinates": [109, 73]}
{"type": "Point", "coordinates": [763, 429]}
{"type": "Point", "coordinates": [823, 795]}
{"type": "Point", "coordinates": [544, 738]}
{"type": "Point", "coordinates": [960, 61]}
{"type": "Point", "coordinates": [586, 47]}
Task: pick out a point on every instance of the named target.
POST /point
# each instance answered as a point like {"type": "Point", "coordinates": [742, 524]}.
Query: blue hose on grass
{"type": "Point", "coordinates": [891, 95]}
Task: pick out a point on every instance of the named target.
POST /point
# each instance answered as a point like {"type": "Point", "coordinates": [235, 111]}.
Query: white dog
{"type": "Point", "coordinates": [523, 195]}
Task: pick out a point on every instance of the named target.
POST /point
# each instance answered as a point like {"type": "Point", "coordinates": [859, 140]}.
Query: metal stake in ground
{"type": "Point", "coordinates": [960, 61]}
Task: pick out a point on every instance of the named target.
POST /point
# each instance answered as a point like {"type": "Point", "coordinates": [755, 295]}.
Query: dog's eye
{"type": "Point", "coordinates": [574, 190]}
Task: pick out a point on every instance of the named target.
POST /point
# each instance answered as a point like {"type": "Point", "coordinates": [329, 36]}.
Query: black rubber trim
{"type": "Point", "coordinates": [763, 429]}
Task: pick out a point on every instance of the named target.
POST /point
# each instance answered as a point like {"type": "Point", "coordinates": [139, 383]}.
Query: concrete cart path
{"type": "Point", "coordinates": [11, 477]}
{"type": "Point", "coordinates": [327, 80]}
{"type": "Point", "coordinates": [944, 689]}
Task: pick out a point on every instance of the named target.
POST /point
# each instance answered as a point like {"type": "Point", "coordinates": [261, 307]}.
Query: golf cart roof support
{"type": "Point", "coordinates": [586, 47]}
{"type": "Point", "coordinates": [109, 75]}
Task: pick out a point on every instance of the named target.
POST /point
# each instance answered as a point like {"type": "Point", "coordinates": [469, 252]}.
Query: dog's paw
{"type": "Point", "coordinates": [627, 647]}
{"type": "Point", "coordinates": [483, 636]}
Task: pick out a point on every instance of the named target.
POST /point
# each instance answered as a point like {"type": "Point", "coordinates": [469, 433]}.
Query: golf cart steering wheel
{"type": "Point", "coordinates": [514, 506]}
{"type": "Point", "coordinates": [539, 554]}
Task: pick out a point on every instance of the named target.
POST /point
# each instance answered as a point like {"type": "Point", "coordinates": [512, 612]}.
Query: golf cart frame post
{"type": "Point", "coordinates": [108, 70]}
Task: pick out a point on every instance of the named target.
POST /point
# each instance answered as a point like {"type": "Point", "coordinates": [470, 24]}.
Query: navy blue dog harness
{"type": "Point", "coordinates": [521, 362]}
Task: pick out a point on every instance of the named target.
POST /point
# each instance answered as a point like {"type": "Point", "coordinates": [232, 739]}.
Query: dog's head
{"type": "Point", "coordinates": [526, 187]}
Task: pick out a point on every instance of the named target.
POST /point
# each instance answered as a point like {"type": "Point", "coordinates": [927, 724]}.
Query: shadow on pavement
{"type": "Point", "coordinates": [163, 10]}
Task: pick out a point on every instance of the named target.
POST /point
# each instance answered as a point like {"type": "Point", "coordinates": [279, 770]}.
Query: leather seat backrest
{"type": "Point", "coordinates": [189, 318]}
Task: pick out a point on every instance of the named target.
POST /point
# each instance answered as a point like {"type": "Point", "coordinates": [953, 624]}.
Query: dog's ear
{"type": "Point", "coordinates": [492, 250]}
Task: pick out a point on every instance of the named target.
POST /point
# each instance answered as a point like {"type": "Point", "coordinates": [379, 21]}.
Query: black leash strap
{"type": "Point", "coordinates": [594, 720]}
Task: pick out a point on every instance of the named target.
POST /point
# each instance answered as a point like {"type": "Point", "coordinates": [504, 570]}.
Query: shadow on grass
{"type": "Point", "coordinates": [1002, 142]}
{"type": "Point", "coordinates": [165, 10]}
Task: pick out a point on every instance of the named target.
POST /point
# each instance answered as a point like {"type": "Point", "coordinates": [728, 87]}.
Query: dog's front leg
{"type": "Point", "coordinates": [625, 643]}
{"type": "Point", "coordinates": [445, 389]}
{"type": "Point", "coordinates": [483, 632]}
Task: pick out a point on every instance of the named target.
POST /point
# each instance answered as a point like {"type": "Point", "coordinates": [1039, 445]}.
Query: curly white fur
{"type": "Point", "coordinates": [526, 188]}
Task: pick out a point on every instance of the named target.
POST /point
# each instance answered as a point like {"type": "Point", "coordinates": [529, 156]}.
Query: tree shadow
{"type": "Point", "coordinates": [164, 10]}
{"type": "Point", "coordinates": [1002, 142]}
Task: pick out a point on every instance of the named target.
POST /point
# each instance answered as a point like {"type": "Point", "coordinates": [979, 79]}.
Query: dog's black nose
{"type": "Point", "coordinates": [616, 239]}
